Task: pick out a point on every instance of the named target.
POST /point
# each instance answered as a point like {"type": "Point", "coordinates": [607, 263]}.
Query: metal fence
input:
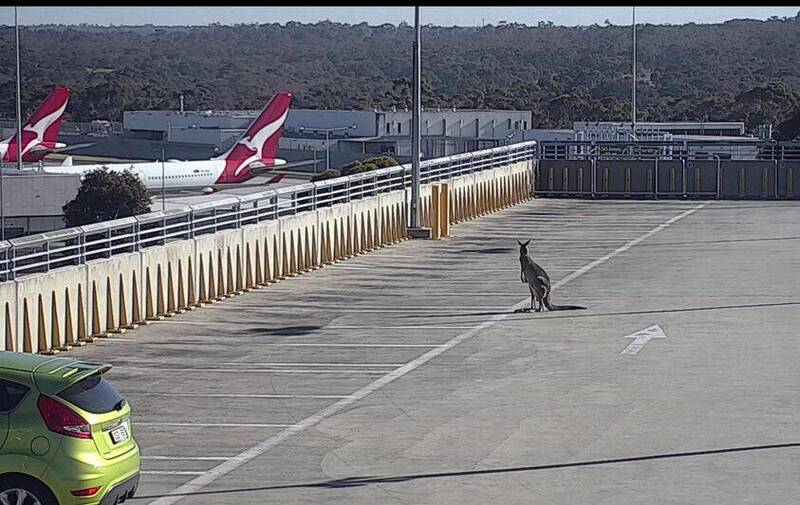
{"type": "Point", "coordinates": [742, 149]}
{"type": "Point", "coordinates": [75, 246]}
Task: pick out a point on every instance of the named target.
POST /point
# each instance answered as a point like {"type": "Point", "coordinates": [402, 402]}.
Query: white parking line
{"type": "Point", "coordinates": [428, 346]}
{"type": "Point", "coordinates": [252, 370]}
{"type": "Point", "coordinates": [444, 326]}
{"type": "Point", "coordinates": [170, 472]}
{"type": "Point", "coordinates": [254, 323]}
{"type": "Point", "coordinates": [214, 425]}
{"type": "Point", "coordinates": [391, 365]}
{"type": "Point", "coordinates": [260, 448]}
{"type": "Point", "coordinates": [186, 458]}
{"type": "Point", "coordinates": [213, 395]}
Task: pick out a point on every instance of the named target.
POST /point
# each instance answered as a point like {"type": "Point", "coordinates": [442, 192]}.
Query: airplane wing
{"type": "Point", "coordinates": [261, 170]}
{"type": "Point", "coordinates": [72, 147]}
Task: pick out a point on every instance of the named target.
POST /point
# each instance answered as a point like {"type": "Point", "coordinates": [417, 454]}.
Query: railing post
{"type": "Point", "coordinates": [11, 264]}
{"type": "Point", "coordinates": [655, 180]}
{"type": "Point", "coordinates": [776, 178]}
{"type": "Point", "coordinates": [137, 245]}
{"type": "Point", "coordinates": [47, 250]}
{"type": "Point", "coordinates": [81, 248]}
{"type": "Point", "coordinates": [683, 174]}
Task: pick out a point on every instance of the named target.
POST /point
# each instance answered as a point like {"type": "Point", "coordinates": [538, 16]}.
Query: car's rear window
{"type": "Point", "coordinates": [93, 394]}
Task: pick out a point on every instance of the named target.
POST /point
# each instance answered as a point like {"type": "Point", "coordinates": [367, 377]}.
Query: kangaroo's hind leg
{"type": "Point", "coordinates": [534, 298]}
{"type": "Point", "coordinates": [523, 309]}
{"type": "Point", "coordinates": [538, 297]}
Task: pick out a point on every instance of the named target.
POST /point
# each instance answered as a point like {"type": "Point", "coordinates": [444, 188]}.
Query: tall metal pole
{"type": "Point", "coordinates": [19, 131]}
{"type": "Point", "coordinates": [327, 149]}
{"type": "Point", "coordinates": [415, 125]}
{"type": "Point", "coordinates": [633, 98]}
{"type": "Point", "coordinates": [163, 181]}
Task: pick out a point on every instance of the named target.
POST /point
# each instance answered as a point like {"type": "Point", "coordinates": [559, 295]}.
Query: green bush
{"type": "Point", "coordinates": [331, 173]}
{"type": "Point", "coordinates": [357, 167]}
{"type": "Point", "coordinates": [383, 161]}
{"type": "Point", "coordinates": [368, 164]}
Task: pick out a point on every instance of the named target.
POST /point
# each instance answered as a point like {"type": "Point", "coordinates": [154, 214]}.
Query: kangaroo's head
{"type": "Point", "coordinates": [523, 247]}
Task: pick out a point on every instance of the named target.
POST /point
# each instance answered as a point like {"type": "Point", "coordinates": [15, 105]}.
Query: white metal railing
{"type": "Point", "coordinates": [74, 246]}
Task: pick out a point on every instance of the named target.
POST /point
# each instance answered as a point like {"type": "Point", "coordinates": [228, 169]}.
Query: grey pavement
{"type": "Point", "coordinates": [175, 199]}
{"type": "Point", "coordinates": [404, 376]}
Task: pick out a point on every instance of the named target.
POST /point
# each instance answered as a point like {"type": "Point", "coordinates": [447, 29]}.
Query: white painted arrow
{"type": "Point", "coordinates": [642, 337]}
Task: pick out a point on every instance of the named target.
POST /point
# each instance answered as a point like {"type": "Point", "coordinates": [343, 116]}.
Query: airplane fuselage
{"type": "Point", "coordinates": [155, 175]}
{"type": "Point", "coordinates": [174, 174]}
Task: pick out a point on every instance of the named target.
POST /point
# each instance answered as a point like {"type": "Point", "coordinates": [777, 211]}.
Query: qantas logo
{"type": "Point", "coordinates": [40, 127]}
{"type": "Point", "coordinates": [40, 133]}
{"type": "Point", "coordinates": [256, 142]}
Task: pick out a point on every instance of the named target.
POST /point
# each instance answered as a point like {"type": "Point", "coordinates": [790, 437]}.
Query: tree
{"type": "Point", "coordinates": [330, 173]}
{"type": "Point", "coordinates": [369, 164]}
{"type": "Point", "coordinates": [105, 195]}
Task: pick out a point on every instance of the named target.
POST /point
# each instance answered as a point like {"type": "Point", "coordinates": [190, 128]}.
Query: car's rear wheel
{"type": "Point", "coordinates": [21, 491]}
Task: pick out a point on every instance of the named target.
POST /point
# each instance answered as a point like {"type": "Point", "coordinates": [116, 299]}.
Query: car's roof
{"type": "Point", "coordinates": [25, 362]}
{"type": "Point", "coordinates": [51, 374]}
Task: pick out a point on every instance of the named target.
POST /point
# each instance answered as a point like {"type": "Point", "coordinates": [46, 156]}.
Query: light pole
{"type": "Point", "coordinates": [19, 131]}
{"type": "Point", "coordinates": [633, 93]}
{"type": "Point", "coordinates": [415, 126]}
{"type": "Point", "coordinates": [315, 160]}
{"type": "Point", "coordinates": [163, 181]}
{"type": "Point", "coordinates": [327, 140]}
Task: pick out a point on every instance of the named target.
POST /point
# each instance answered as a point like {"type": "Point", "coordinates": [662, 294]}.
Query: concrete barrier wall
{"type": "Point", "coordinates": [74, 305]}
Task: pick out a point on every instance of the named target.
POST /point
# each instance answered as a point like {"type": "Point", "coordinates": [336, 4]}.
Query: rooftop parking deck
{"type": "Point", "coordinates": [405, 376]}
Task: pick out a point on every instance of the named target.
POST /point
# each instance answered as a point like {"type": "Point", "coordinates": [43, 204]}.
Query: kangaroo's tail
{"type": "Point", "coordinates": [551, 306]}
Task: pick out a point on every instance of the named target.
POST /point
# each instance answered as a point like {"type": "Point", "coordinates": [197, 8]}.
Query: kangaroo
{"type": "Point", "coordinates": [538, 282]}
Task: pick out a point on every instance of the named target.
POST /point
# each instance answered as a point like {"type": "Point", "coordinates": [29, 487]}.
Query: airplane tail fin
{"type": "Point", "coordinates": [43, 125]}
{"type": "Point", "coordinates": [259, 142]}
{"type": "Point", "coordinates": [48, 117]}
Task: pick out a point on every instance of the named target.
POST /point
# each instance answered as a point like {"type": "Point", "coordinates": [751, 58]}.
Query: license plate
{"type": "Point", "coordinates": [119, 434]}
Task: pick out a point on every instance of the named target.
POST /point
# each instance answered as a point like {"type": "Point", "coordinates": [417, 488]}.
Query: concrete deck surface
{"type": "Point", "coordinates": [403, 376]}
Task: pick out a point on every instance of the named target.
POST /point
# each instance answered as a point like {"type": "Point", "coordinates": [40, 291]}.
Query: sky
{"type": "Point", "coordinates": [443, 16]}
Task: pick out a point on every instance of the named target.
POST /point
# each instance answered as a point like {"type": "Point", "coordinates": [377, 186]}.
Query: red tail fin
{"type": "Point", "coordinates": [43, 125]}
{"type": "Point", "coordinates": [259, 142]}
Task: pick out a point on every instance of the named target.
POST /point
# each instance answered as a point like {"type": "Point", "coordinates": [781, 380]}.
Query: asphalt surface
{"type": "Point", "coordinates": [177, 199]}
{"type": "Point", "coordinates": [404, 375]}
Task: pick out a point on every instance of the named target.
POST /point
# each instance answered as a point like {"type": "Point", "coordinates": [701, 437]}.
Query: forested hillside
{"type": "Point", "coordinates": [740, 70]}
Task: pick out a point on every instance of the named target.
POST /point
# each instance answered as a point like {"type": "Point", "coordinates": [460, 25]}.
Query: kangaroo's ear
{"type": "Point", "coordinates": [518, 242]}
{"type": "Point", "coordinates": [526, 243]}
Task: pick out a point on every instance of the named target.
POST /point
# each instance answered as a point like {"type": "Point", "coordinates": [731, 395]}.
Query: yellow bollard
{"type": "Point", "coordinates": [444, 206]}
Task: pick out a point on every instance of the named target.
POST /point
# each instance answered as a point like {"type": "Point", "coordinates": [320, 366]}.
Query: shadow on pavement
{"type": "Point", "coordinates": [284, 330]}
{"type": "Point", "coordinates": [367, 480]}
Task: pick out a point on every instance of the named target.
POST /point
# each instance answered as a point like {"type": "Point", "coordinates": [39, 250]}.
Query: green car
{"type": "Point", "coordinates": [65, 434]}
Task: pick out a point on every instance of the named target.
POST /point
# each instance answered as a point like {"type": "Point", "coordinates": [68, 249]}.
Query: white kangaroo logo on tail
{"type": "Point", "coordinates": [257, 140]}
{"type": "Point", "coordinates": [40, 126]}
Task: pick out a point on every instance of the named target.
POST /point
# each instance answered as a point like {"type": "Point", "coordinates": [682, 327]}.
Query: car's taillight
{"type": "Point", "coordinates": [61, 419]}
{"type": "Point", "coordinates": [89, 491]}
